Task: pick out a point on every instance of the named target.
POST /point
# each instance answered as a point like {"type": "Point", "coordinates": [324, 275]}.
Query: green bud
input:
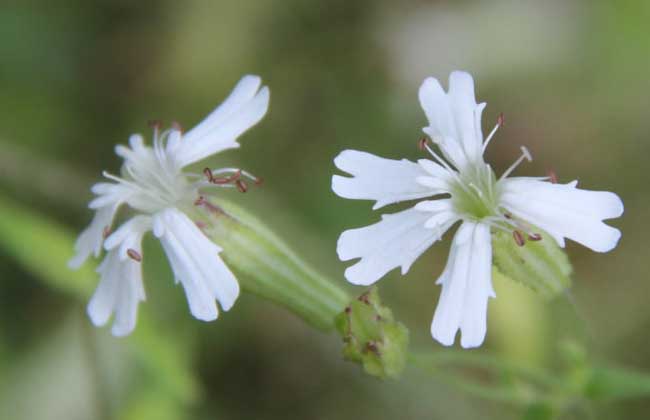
{"type": "Point", "coordinates": [372, 337]}
{"type": "Point", "coordinates": [266, 267]}
{"type": "Point", "coordinates": [539, 264]}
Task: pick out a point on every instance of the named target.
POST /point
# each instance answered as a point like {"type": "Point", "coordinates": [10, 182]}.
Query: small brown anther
{"type": "Point", "coordinates": [199, 201]}
{"type": "Point", "coordinates": [507, 215]}
{"type": "Point", "coordinates": [500, 119]}
{"type": "Point", "coordinates": [177, 126]}
{"type": "Point", "coordinates": [518, 237]}
{"type": "Point", "coordinates": [535, 237]}
{"type": "Point", "coordinates": [364, 298]}
{"type": "Point", "coordinates": [552, 176]}
{"type": "Point", "coordinates": [106, 232]}
{"type": "Point", "coordinates": [134, 255]}
{"type": "Point", "coordinates": [154, 124]}
{"type": "Point", "coordinates": [208, 174]}
{"type": "Point", "coordinates": [241, 186]}
{"type": "Point", "coordinates": [259, 181]}
{"type": "Point", "coordinates": [348, 310]}
{"type": "Point", "coordinates": [371, 346]}
{"type": "Point", "coordinates": [200, 224]}
{"type": "Point", "coordinates": [422, 143]}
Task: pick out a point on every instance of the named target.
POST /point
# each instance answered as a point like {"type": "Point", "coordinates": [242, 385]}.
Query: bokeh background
{"type": "Point", "coordinates": [77, 77]}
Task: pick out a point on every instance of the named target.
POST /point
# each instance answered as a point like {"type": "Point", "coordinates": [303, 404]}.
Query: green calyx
{"type": "Point", "coordinates": [539, 264]}
{"type": "Point", "coordinates": [267, 267]}
{"type": "Point", "coordinates": [372, 337]}
{"type": "Point", "coordinates": [476, 195]}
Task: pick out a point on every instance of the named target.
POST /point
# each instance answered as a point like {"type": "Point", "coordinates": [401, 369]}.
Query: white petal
{"type": "Point", "coordinates": [374, 178]}
{"type": "Point", "coordinates": [196, 264]}
{"type": "Point", "coordinates": [120, 290]}
{"type": "Point", "coordinates": [565, 211]}
{"type": "Point", "coordinates": [91, 239]}
{"type": "Point", "coordinates": [454, 118]}
{"type": "Point", "coordinates": [137, 225]}
{"type": "Point", "coordinates": [219, 131]}
{"type": "Point", "coordinates": [466, 286]}
{"type": "Point", "coordinates": [397, 240]}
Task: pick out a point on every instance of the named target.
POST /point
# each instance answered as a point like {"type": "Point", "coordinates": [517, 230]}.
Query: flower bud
{"type": "Point", "coordinates": [372, 337]}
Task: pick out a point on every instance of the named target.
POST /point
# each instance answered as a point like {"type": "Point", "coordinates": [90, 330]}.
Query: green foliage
{"type": "Point", "coordinates": [162, 362]}
{"type": "Point", "coordinates": [540, 265]}
{"type": "Point", "coordinates": [270, 269]}
{"type": "Point", "coordinates": [372, 337]}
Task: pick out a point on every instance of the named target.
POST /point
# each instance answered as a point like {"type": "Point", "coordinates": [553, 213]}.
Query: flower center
{"type": "Point", "coordinates": [475, 194]}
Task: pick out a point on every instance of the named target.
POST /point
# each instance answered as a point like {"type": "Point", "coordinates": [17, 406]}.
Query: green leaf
{"type": "Point", "coordinates": [372, 337]}
{"type": "Point", "coordinates": [540, 265]}
{"type": "Point", "coordinates": [267, 267]}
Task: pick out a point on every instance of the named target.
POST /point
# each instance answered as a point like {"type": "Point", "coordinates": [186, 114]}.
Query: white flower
{"type": "Point", "coordinates": [464, 188]}
{"type": "Point", "coordinates": [154, 186]}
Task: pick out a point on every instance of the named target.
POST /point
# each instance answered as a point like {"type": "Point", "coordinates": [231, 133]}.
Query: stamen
{"type": "Point", "coordinates": [200, 225]}
{"type": "Point", "coordinates": [241, 185]}
{"type": "Point", "coordinates": [518, 237]}
{"type": "Point", "coordinates": [552, 176]}
{"type": "Point", "coordinates": [106, 232]}
{"type": "Point", "coordinates": [208, 174]}
{"type": "Point", "coordinates": [494, 130]}
{"type": "Point", "coordinates": [525, 154]}
{"type": "Point", "coordinates": [422, 143]}
{"type": "Point", "coordinates": [534, 236]}
{"type": "Point", "coordinates": [226, 180]}
{"type": "Point", "coordinates": [199, 201]}
{"type": "Point", "coordinates": [134, 255]}
{"type": "Point", "coordinates": [177, 126]}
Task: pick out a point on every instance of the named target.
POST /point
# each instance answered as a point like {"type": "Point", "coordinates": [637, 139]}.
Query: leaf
{"type": "Point", "coordinates": [540, 265]}
{"type": "Point", "coordinates": [617, 383]}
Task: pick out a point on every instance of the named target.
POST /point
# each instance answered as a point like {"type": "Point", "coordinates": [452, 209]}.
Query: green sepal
{"type": "Point", "coordinates": [267, 267]}
{"type": "Point", "coordinates": [539, 264]}
{"type": "Point", "coordinates": [372, 337]}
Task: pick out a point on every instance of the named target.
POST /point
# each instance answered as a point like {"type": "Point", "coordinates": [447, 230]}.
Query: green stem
{"type": "Point", "coordinates": [538, 381]}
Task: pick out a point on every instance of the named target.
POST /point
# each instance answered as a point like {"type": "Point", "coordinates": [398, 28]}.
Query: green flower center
{"type": "Point", "coordinates": [476, 194]}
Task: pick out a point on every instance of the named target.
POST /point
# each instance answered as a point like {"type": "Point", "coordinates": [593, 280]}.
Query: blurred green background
{"type": "Point", "coordinates": [78, 77]}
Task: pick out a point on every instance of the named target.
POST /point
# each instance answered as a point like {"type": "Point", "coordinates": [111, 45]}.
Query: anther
{"type": "Point", "coordinates": [552, 176]}
{"type": "Point", "coordinates": [241, 185]}
{"type": "Point", "coordinates": [422, 143]}
{"type": "Point", "coordinates": [106, 232]}
{"type": "Point", "coordinates": [200, 224]}
{"type": "Point", "coordinates": [526, 153]}
{"type": "Point", "coordinates": [177, 126]}
{"type": "Point", "coordinates": [155, 124]}
{"type": "Point", "coordinates": [500, 120]}
{"type": "Point", "coordinates": [371, 346]}
{"type": "Point", "coordinates": [534, 237]}
{"type": "Point", "coordinates": [134, 255]}
{"type": "Point", "coordinates": [518, 237]}
{"type": "Point", "coordinates": [208, 174]}
{"type": "Point", "coordinates": [199, 201]}
{"type": "Point", "coordinates": [258, 181]}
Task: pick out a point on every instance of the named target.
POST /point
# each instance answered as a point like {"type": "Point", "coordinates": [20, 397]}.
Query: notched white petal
{"type": "Point", "coordinates": [196, 264]}
{"type": "Point", "coordinates": [466, 286]}
{"type": "Point", "coordinates": [396, 241]}
{"type": "Point", "coordinates": [243, 108]}
{"type": "Point", "coordinates": [386, 181]}
{"type": "Point", "coordinates": [565, 211]}
{"type": "Point", "coordinates": [454, 118]}
{"type": "Point", "coordinates": [119, 292]}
